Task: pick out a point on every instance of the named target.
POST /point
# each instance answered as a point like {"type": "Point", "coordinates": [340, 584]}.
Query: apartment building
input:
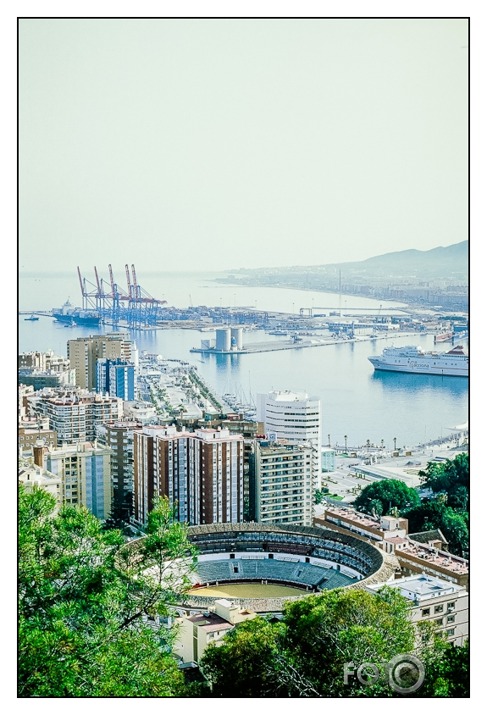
{"type": "Point", "coordinates": [43, 361]}
{"type": "Point", "coordinates": [46, 378]}
{"type": "Point", "coordinates": [116, 378]}
{"type": "Point", "coordinates": [74, 413]}
{"type": "Point", "coordinates": [281, 483]}
{"type": "Point", "coordinates": [33, 476]}
{"type": "Point", "coordinates": [119, 437]}
{"type": "Point", "coordinates": [24, 396]}
{"type": "Point", "coordinates": [415, 553]}
{"type": "Point", "coordinates": [85, 474]}
{"type": "Point", "coordinates": [432, 599]}
{"type": "Point", "coordinates": [200, 472]}
{"type": "Point", "coordinates": [197, 630]}
{"type": "Point", "coordinates": [295, 417]}
{"type": "Point", "coordinates": [83, 354]}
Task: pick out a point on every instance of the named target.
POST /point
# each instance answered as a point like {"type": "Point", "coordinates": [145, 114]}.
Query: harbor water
{"type": "Point", "coordinates": [358, 404]}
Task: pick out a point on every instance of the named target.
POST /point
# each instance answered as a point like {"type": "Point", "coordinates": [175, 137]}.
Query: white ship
{"type": "Point", "coordinates": [414, 359]}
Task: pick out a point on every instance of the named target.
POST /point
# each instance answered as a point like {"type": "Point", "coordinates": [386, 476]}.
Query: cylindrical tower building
{"type": "Point", "coordinates": [237, 338]}
{"type": "Point", "coordinates": [223, 339]}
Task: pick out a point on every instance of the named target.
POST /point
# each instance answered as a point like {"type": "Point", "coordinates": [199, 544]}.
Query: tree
{"type": "Point", "coordinates": [86, 600]}
{"type": "Point", "coordinates": [245, 665]}
{"type": "Point", "coordinates": [320, 639]}
{"type": "Point", "coordinates": [376, 508]}
{"type": "Point", "coordinates": [389, 493]}
{"type": "Point", "coordinates": [447, 672]}
{"type": "Point", "coordinates": [451, 477]}
{"type": "Point", "coordinates": [320, 495]}
{"type": "Point", "coordinates": [435, 514]}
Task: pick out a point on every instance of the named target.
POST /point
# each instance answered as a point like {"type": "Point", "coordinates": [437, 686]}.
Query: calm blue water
{"type": "Point", "coordinates": [355, 400]}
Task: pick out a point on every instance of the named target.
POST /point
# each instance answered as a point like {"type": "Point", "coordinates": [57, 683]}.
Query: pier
{"type": "Point", "coordinates": [293, 344]}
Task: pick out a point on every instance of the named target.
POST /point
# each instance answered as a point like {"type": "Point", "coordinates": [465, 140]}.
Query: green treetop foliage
{"type": "Point", "coordinates": [451, 477]}
{"type": "Point", "coordinates": [448, 676]}
{"type": "Point", "coordinates": [247, 663]}
{"type": "Point", "coordinates": [435, 514]}
{"type": "Point", "coordinates": [85, 598]}
{"type": "Point", "coordinates": [305, 655]}
{"type": "Point", "coordinates": [382, 497]}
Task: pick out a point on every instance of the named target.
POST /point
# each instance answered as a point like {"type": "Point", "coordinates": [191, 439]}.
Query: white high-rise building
{"type": "Point", "coordinates": [295, 417]}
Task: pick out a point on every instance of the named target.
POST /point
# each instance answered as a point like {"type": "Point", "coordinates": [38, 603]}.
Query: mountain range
{"type": "Point", "coordinates": [444, 263]}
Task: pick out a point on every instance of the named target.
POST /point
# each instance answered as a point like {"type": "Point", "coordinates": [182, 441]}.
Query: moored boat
{"type": "Point", "coordinates": [443, 337]}
{"type": "Point", "coordinates": [76, 316]}
{"type": "Point", "coordinates": [413, 359]}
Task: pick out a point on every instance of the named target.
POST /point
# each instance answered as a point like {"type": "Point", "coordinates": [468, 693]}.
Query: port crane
{"type": "Point", "coordinates": [135, 307]}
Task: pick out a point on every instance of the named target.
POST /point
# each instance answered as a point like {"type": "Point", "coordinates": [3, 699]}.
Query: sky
{"type": "Point", "coordinates": [215, 144]}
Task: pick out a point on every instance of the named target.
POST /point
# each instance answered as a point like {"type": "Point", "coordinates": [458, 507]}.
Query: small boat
{"type": "Point", "coordinates": [443, 337]}
{"type": "Point", "coordinates": [32, 317]}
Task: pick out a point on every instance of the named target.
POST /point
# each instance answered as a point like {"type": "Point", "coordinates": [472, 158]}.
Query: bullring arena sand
{"type": "Point", "coordinates": [246, 590]}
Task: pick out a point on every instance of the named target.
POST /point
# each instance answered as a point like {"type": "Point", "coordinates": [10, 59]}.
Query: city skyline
{"type": "Point", "coordinates": [217, 144]}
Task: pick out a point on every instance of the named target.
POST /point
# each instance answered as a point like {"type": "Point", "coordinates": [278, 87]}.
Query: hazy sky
{"type": "Point", "coordinates": [212, 144]}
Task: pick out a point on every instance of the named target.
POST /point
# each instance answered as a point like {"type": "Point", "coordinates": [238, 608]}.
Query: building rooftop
{"type": "Point", "coordinates": [435, 557]}
{"type": "Point", "coordinates": [285, 395]}
{"type": "Point", "coordinates": [352, 515]}
{"type": "Point", "coordinates": [421, 587]}
{"type": "Point", "coordinates": [397, 539]}
{"type": "Point", "coordinates": [210, 621]}
{"type": "Point", "coordinates": [424, 537]}
{"type": "Point", "coordinates": [417, 547]}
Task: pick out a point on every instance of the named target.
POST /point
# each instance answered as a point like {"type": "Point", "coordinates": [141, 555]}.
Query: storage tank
{"type": "Point", "coordinates": [237, 338]}
{"type": "Point", "coordinates": [223, 340]}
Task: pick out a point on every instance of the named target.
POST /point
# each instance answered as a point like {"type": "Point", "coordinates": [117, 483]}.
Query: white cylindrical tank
{"type": "Point", "coordinates": [223, 339]}
{"type": "Point", "coordinates": [237, 338]}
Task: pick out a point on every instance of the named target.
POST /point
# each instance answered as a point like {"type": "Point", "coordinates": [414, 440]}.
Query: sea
{"type": "Point", "coordinates": [358, 404]}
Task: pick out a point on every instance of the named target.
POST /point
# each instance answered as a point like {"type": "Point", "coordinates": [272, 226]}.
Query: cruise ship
{"type": "Point", "coordinates": [414, 359]}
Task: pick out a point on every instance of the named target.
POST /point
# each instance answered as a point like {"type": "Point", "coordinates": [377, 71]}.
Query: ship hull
{"type": "Point", "coordinates": [88, 321]}
{"type": "Point", "coordinates": [422, 369]}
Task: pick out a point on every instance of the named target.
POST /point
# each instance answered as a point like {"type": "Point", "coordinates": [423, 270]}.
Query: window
{"type": "Point", "coordinates": [425, 611]}
{"type": "Point", "coordinates": [450, 619]}
{"type": "Point", "coordinates": [439, 621]}
{"type": "Point", "coordinates": [450, 632]}
{"type": "Point", "coordinates": [439, 609]}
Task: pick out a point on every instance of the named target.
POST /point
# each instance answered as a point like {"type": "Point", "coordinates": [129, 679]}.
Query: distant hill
{"type": "Point", "coordinates": [442, 260]}
{"type": "Point", "coordinates": [437, 277]}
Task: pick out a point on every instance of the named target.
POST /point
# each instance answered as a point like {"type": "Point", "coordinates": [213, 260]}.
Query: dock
{"type": "Point", "coordinates": [293, 344]}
